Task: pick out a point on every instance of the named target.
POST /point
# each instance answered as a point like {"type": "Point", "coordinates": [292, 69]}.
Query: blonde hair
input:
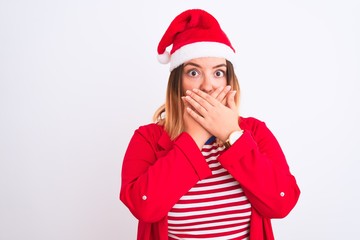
{"type": "Point", "coordinates": [170, 114]}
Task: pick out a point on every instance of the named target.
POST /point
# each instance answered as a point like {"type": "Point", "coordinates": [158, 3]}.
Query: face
{"type": "Point", "coordinates": [206, 74]}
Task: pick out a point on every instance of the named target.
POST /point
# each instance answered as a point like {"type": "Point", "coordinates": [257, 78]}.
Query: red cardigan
{"type": "Point", "coordinates": [156, 172]}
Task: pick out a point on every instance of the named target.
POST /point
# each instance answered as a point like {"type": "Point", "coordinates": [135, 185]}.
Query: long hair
{"type": "Point", "coordinates": [170, 114]}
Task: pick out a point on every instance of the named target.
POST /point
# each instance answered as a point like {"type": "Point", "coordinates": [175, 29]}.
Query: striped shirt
{"type": "Point", "coordinates": [216, 208]}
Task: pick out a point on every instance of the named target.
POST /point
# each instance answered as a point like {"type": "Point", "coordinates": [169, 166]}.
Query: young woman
{"type": "Point", "coordinates": [201, 171]}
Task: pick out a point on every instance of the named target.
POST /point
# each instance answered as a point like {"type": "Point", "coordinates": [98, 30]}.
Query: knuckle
{"type": "Point", "coordinates": [198, 107]}
{"type": "Point", "coordinates": [201, 101]}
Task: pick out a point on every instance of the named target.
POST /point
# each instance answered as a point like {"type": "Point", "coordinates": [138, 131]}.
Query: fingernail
{"type": "Point", "coordinates": [188, 92]}
{"type": "Point", "coordinates": [195, 90]}
{"type": "Point", "coordinates": [228, 87]}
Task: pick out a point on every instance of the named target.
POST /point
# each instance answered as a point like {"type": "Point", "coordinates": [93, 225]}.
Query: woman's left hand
{"type": "Point", "coordinates": [214, 116]}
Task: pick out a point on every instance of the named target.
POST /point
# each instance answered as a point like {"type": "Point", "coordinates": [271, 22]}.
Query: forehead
{"type": "Point", "coordinates": [206, 61]}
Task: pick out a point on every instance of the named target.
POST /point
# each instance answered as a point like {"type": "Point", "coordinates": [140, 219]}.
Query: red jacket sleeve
{"type": "Point", "coordinates": [257, 162]}
{"type": "Point", "coordinates": [155, 177]}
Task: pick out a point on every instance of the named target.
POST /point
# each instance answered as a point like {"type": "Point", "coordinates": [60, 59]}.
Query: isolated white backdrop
{"type": "Point", "coordinates": [78, 77]}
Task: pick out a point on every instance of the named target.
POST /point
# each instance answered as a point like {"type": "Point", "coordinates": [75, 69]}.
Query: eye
{"type": "Point", "coordinates": [193, 73]}
{"type": "Point", "coordinates": [219, 73]}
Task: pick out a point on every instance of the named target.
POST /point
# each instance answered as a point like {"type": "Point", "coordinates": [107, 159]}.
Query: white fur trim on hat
{"type": "Point", "coordinates": [201, 49]}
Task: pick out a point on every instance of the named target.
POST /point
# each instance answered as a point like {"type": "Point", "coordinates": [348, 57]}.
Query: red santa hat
{"type": "Point", "coordinates": [193, 34]}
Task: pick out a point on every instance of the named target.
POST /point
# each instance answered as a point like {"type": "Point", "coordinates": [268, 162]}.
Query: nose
{"type": "Point", "coordinates": [207, 84]}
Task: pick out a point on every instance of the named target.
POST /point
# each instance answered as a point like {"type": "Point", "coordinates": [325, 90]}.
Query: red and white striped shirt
{"type": "Point", "coordinates": [216, 208]}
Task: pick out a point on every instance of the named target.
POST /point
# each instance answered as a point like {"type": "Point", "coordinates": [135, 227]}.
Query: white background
{"type": "Point", "coordinates": [78, 77]}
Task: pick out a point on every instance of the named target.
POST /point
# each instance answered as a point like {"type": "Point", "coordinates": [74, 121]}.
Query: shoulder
{"type": "Point", "coordinates": [152, 129]}
{"type": "Point", "coordinates": [153, 134]}
{"type": "Point", "coordinates": [258, 128]}
{"type": "Point", "coordinates": [250, 123]}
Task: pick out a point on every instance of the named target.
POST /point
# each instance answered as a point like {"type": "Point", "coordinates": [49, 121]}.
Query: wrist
{"type": "Point", "coordinates": [233, 137]}
{"type": "Point", "coordinates": [226, 136]}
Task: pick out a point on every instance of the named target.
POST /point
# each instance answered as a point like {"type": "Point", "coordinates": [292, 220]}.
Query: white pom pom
{"type": "Point", "coordinates": [164, 58]}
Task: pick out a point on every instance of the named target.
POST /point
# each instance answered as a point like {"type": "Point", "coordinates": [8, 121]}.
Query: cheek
{"type": "Point", "coordinates": [219, 82]}
{"type": "Point", "coordinates": [190, 84]}
{"type": "Point", "coordinates": [222, 82]}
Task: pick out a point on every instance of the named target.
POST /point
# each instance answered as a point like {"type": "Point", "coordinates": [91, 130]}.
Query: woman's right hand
{"type": "Point", "coordinates": [192, 127]}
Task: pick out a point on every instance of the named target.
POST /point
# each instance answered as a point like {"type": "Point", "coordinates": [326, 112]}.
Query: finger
{"type": "Point", "coordinates": [205, 98]}
{"type": "Point", "coordinates": [222, 95]}
{"type": "Point", "coordinates": [195, 105]}
{"type": "Point", "coordinates": [231, 100]}
{"type": "Point", "coordinates": [198, 118]}
{"type": "Point", "coordinates": [217, 91]}
{"type": "Point", "coordinates": [198, 99]}
{"type": "Point", "coordinates": [186, 104]}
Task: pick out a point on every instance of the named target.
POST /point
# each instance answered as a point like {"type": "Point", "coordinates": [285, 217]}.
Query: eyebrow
{"type": "Point", "coordinates": [197, 65]}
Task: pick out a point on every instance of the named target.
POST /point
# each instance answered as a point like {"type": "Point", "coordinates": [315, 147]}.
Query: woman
{"type": "Point", "coordinates": [201, 171]}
